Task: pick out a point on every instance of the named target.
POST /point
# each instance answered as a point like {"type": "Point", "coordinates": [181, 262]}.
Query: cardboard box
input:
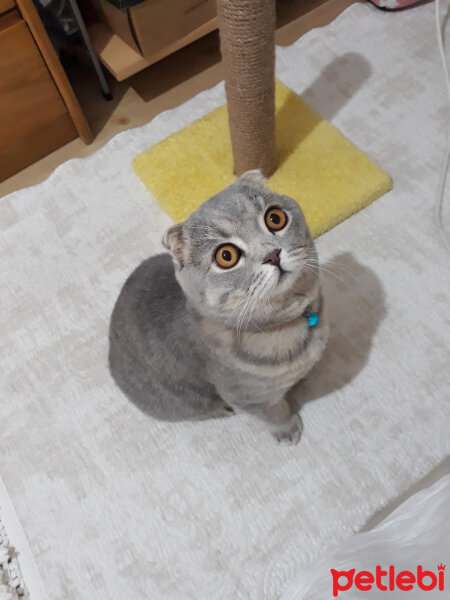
{"type": "Point", "coordinates": [155, 25]}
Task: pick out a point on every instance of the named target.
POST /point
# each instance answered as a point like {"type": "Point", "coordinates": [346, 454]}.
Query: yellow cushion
{"type": "Point", "coordinates": [319, 167]}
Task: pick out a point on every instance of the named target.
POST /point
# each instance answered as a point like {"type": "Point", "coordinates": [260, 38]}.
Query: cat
{"type": "Point", "coordinates": [226, 321]}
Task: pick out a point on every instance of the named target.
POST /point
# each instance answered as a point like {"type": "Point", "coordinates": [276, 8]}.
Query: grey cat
{"type": "Point", "coordinates": [224, 323]}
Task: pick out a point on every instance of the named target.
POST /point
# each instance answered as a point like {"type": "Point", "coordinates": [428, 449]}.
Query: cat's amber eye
{"type": "Point", "coordinates": [227, 256]}
{"type": "Point", "coordinates": [275, 219]}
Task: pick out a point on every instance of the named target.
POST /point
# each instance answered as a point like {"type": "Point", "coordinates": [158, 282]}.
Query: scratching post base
{"type": "Point", "coordinates": [319, 167]}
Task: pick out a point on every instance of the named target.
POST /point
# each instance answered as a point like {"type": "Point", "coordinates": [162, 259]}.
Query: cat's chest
{"type": "Point", "coordinates": [275, 358]}
{"type": "Point", "coordinates": [285, 355]}
{"type": "Point", "coordinates": [275, 346]}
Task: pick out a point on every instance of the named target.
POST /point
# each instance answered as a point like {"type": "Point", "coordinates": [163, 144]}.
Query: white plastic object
{"type": "Point", "coordinates": [416, 533]}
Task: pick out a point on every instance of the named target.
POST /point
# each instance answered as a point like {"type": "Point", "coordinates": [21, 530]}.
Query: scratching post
{"type": "Point", "coordinates": [247, 33]}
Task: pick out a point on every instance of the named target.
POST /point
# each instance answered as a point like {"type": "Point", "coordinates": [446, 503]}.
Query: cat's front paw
{"type": "Point", "coordinates": [291, 435]}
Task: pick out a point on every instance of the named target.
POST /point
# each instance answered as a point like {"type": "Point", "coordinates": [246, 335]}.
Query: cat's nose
{"type": "Point", "coordinates": [273, 258]}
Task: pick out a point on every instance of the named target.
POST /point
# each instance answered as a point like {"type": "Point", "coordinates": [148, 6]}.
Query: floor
{"type": "Point", "coordinates": [84, 294]}
{"type": "Point", "coordinates": [162, 86]}
{"type": "Point", "coordinates": [166, 85]}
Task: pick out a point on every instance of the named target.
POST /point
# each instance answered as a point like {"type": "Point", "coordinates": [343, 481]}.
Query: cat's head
{"type": "Point", "coordinates": [244, 246]}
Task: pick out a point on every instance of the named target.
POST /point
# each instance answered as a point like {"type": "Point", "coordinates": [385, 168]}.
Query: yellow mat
{"type": "Point", "coordinates": [319, 167]}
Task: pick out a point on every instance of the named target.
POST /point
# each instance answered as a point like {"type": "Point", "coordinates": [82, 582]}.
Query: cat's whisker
{"type": "Point", "coordinates": [263, 295]}
{"type": "Point", "coordinates": [267, 304]}
{"type": "Point", "coordinates": [298, 251]}
{"type": "Point", "coordinates": [243, 311]}
{"type": "Point", "coordinates": [331, 262]}
{"type": "Point", "coordinates": [268, 307]}
{"type": "Point", "coordinates": [335, 264]}
{"type": "Point", "coordinates": [250, 303]}
{"type": "Point", "coordinates": [255, 303]}
{"type": "Point", "coordinates": [301, 265]}
{"type": "Point", "coordinates": [238, 306]}
{"type": "Point", "coordinates": [270, 304]}
{"type": "Point", "coordinates": [243, 314]}
{"type": "Point", "coordinates": [321, 269]}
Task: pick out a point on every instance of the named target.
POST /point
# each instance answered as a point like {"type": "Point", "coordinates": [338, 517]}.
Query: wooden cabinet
{"type": "Point", "coordinates": [6, 5]}
{"type": "Point", "coordinates": [34, 118]}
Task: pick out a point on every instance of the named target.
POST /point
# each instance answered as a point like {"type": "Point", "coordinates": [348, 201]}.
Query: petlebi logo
{"type": "Point", "coordinates": [388, 579]}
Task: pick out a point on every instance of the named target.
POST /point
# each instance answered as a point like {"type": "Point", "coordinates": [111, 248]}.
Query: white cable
{"type": "Point", "coordinates": [444, 172]}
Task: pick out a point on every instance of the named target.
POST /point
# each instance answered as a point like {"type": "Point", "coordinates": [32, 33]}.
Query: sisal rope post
{"type": "Point", "coordinates": [247, 34]}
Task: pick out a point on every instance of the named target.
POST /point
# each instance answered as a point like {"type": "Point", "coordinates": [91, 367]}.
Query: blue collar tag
{"type": "Point", "coordinates": [312, 319]}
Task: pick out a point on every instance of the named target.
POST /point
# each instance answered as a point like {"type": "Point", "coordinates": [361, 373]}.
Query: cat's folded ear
{"type": "Point", "coordinates": [253, 178]}
{"type": "Point", "coordinates": [174, 241]}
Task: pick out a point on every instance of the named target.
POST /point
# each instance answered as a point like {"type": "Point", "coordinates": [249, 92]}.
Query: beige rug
{"type": "Point", "coordinates": [117, 506]}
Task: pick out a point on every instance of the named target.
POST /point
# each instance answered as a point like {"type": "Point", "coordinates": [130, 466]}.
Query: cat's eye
{"type": "Point", "coordinates": [227, 256]}
{"type": "Point", "coordinates": [275, 219]}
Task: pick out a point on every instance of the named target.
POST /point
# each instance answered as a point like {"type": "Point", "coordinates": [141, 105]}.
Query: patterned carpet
{"type": "Point", "coordinates": [117, 506]}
